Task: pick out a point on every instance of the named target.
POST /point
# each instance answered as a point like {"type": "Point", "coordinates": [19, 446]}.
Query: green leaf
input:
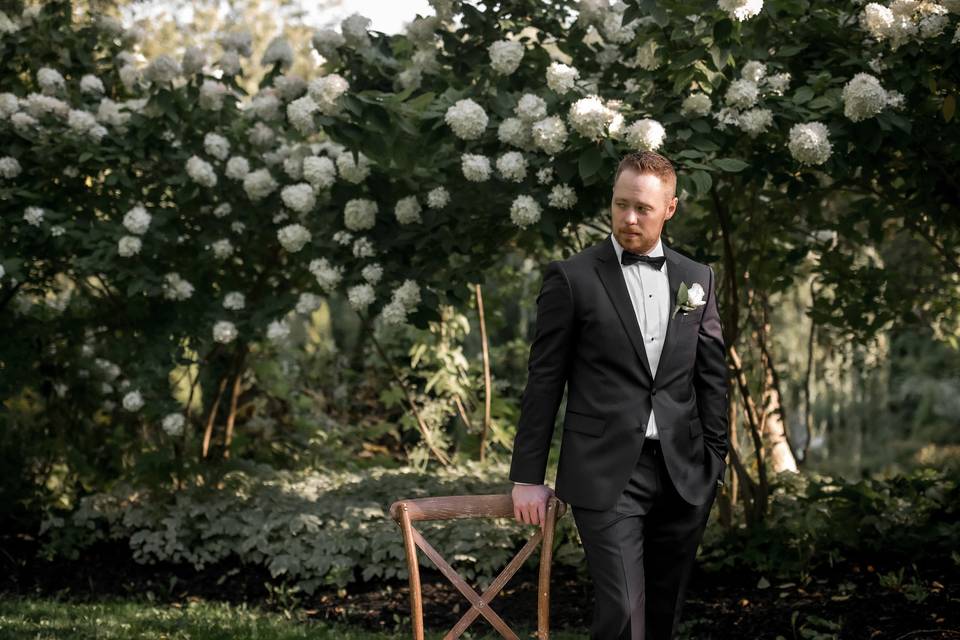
{"type": "Point", "coordinates": [590, 161]}
{"type": "Point", "coordinates": [703, 180]}
{"type": "Point", "coordinates": [730, 165]}
{"type": "Point", "coordinates": [803, 94]}
{"type": "Point", "coordinates": [949, 107]}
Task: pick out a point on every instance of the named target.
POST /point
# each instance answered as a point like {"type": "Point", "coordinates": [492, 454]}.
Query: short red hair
{"type": "Point", "coordinates": [649, 162]}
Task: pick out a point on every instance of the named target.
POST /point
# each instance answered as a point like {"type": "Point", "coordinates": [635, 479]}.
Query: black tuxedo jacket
{"type": "Point", "coordinates": [587, 337]}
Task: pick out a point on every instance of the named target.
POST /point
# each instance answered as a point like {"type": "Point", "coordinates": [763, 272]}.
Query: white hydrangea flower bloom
{"type": "Point", "coordinates": [224, 331]}
{"type": "Point", "coordinates": [777, 84]}
{"type": "Point", "coordinates": [613, 28]}
{"type": "Point", "coordinates": [408, 210]}
{"type": "Point", "coordinates": [300, 114]}
{"type": "Point", "coordinates": [299, 197]}
{"type": "Point", "coordinates": [327, 41]}
{"type": "Point", "coordinates": [308, 302]}
{"type": "Point", "coordinates": [438, 198]}
{"type": "Point", "coordinates": [863, 97]}
{"type": "Point", "coordinates": [194, 59]}
{"type": "Point", "coordinates": [360, 214]}
{"type": "Point", "coordinates": [512, 166]}
{"type": "Point", "coordinates": [162, 69]}
{"type": "Point", "coordinates": [328, 276]}
{"type": "Point", "coordinates": [133, 401]}
{"type": "Point", "coordinates": [237, 168]}
{"type": "Point", "coordinates": [216, 145]}
{"type": "Point", "coordinates": [524, 211]}
{"type": "Point", "coordinates": [326, 90]}
{"type": "Point", "coordinates": [363, 248]}
{"type": "Point", "coordinates": [696, 104]}
{"type": "Point", "coordinates": [137, 220]}
{"type": "Point", "coordinates": [260, 135]}
{"type": "Point", "coordinates": [108, 112]}
{"type": "Point", "coordinates": [212, 93]}
{"type": "Point", "coordinates": [354, 28]}
{"type": "Point", "coordinates": [353, 172]}
{"type": "Point", "coordinates": [9, 105]}
{"type": "Point", "coordinates": [173, 424]}
{"type": "Point", "coordinates": [741, 10]}
{"type": "Point", "coordinates": [549, 135]}
{"type": "Point", "coordinates": [467, 119]}
{"type": "Point", "coordinates": [9, 167]}
{"type": "Point", "coordinates": [293, 237]}
{"type": "Point", "coordinates": [234, 300]}
{"type": "Point", "coordinates": [505, 56]}
{"type": "Point", "coordinates": [84, 123]}
{"type": "Point", "coordinates": [475, 167]}
{"type": "Point", "coordinates": [50, 81]}
{"type": "Point", "coordinates": [222, 249]}
{"type": "Point", "coordinates": [266, 105]}
{"type": "Point", "coordinates": [259, 184]}
{"type": "Point", "coordinates": [290, 86]}
{"type": "Point", "coordinates": [407, 294]}
{"type": "Point", "coordinates": [278, 330]}
{"type": "Point", "coordinates": [754, 71]}
{"type": "Point", "coordinates": [222, 210]}
{"type": "Point", "coordinates": [91, 85]}
{"type": "Point", "coordinates": [646, 134]}
{"type": "Point", "coordinates": [33, 215]}
{"type": "Point", "coordinates": [514, 132]}
{"type": "Point", "coordinates": [372, 273]}
{"type": "Point", "coordinates": [741, 94]}
{"type": "Point", "coordinates": [201, 172]}
{"type": "Point", "coordinates": [562, 196]}
{"type": "Point", "coordinates": [129, 246]}
{"type": "Point", "coordinates": [531, 108]}
{"type": "Point", "coordinates": [590, 117]}
{"type": "Point", "coordinates": [561, 78]}
{"type": "Point", "coordinates": [343, 237]}
{"type": "Point", "coordinates": [877, 20]}
{"type": "Point", "coordinates": [319, 171]}
{"type": "Point", "coordinates": [238, 41]}
{"type": "Point", "coordinates": [279, 52]}
{"type": "Point", "coordinates": [229, 63]}
{"type": "Point", "coordinates": [810, 143]}
{"type": "Point", "coordinates": [755, 121]}
{"type": "Point", "coordinates": [360, 296]}
{"type": "Point", "coordinates": [545, 175]}
{"type": "Point", "coordinates": [393, 313]}
{"type": "Point", "coordinates": [176, 288]}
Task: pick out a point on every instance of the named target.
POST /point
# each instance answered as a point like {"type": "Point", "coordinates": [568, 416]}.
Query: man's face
{"type": "Point", "coordinates": [641, 203]}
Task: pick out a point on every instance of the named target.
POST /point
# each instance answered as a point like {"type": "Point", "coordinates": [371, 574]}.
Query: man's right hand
{"type": "Point", "coordinates": [530, 502]}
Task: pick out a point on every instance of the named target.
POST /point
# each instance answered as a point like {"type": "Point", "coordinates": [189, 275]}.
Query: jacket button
{"type": "Point", "coordinates": [654, 392]}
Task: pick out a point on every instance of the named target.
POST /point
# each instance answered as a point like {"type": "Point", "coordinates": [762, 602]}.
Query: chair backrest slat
{"type": "Point", "coordinates": [406, 512]}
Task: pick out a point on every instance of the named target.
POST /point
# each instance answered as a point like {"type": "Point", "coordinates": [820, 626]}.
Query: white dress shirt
{"type": "Point", "coordinates": [649, 292]}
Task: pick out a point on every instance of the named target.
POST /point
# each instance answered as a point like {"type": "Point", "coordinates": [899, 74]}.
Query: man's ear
{"type": "Point", "coordinates": [672, 207]}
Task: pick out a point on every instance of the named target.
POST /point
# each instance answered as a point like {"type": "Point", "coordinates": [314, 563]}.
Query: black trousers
{"type": "Point", "coordinates": [640, 553]}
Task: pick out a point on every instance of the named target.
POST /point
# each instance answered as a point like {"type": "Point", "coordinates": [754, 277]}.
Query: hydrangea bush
{"type": "Point", "coordinates": [156, 218]}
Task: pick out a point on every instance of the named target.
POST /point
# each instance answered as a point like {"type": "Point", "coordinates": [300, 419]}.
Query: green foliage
{"type": "Point", "coordinates": [313, 529]}
{"type": "Point", "coordinates": [816, 521]}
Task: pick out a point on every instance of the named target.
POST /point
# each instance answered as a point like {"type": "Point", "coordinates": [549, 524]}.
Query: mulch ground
{"type": "Point", "coordinates": [848, 602]}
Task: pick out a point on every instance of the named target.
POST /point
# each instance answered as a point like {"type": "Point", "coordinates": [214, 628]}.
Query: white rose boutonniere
{"type": "Point", "coordinates": [689, 298]}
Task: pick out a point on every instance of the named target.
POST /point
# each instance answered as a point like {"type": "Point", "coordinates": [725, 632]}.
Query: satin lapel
{"type": "Point", "coordinates": [611, 275]}
{"type": "Point", "coordinates": [674, 278]}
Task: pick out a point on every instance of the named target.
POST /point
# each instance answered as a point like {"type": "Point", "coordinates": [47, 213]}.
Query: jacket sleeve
{"type": "Point", "coordinates": [547, 371]}
{"type": "Point", "coordinates": [710, 376]}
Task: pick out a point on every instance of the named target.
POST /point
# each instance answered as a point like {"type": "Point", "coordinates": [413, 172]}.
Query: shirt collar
{"type": "Point", "coordinates": [654, 253]}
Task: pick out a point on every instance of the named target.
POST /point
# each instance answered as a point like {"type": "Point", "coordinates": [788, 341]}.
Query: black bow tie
{"type": "Point", "coordinates": [628, 258]}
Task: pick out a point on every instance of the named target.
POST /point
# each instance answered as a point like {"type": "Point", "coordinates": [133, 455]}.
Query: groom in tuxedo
{"type": "Point", "coordinates": [644, 436]}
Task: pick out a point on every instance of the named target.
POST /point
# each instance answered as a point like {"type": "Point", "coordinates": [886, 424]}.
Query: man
{"type": "Point", "coordinates": [645, 430]}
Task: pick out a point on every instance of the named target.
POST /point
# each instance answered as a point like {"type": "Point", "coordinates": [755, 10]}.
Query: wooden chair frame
{"type": "Point", "coordinates": [406, 512]}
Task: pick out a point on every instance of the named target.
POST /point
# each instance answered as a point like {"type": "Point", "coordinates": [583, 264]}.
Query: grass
{"type": "Point", "coordinates": [47, 619]}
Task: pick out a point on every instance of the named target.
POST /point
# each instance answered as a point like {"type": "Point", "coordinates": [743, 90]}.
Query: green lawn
{"type": "Point", "coordinates": [38, 619]}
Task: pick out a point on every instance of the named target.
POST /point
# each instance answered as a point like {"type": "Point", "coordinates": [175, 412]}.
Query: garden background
{"type": "Point", "coordinates": [264, 271]}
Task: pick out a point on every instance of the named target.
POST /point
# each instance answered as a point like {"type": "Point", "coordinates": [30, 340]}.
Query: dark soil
{"type": "Point", "coordinates": [847, 602]}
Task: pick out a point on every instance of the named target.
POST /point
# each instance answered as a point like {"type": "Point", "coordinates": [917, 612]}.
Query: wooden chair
{"type": "Point", "coordinates": [406, 512]}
